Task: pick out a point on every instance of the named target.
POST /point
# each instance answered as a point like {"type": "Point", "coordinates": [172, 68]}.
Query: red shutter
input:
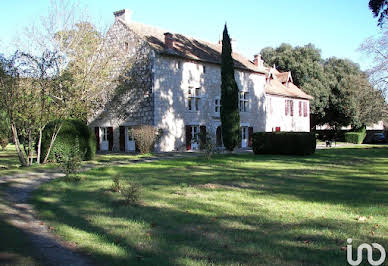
{"type": "Point", "coordinates": [300, 108]}
{"type": "Point", "coordinates": [202, 130]}
{"type": "Point", "coordinates": [250, 133]}
{"type": "Point", "coordinates": [277, 129]}
{"type": "Point", "coordinates": [292, 107]}
{"type": "Point", "coordinates": [188, 137]}
{"type": "Point", "coordinates": [305, 109]}
{"type": "Point", "coordinates": [110, 137]}
{"type": "Point", "coordinates": [97, 133]}
{"type": "Point", "coordinates": [286, 108]}
{"type": "Point", "coordinates": [122, 138]}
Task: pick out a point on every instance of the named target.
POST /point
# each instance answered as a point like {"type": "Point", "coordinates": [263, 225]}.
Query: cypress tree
{"type": "Point", "coordinates": [230, 115]}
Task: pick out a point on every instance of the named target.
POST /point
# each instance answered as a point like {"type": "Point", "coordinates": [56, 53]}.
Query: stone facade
{"type": "Point", "coordinates": [154, 81]}
{"type": "Point", "coordinates": [129, 99]}
{"type": "Point", "coordinates": [172, 79]}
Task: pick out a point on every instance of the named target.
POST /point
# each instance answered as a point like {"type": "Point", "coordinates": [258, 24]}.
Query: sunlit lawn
{"type": "Point", "coordinates": [234, 209]}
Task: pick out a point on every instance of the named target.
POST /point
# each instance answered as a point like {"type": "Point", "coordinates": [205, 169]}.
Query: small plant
{"type": "Point", "coordinates": [3, 143]}
{"type": "Point", "coordinates": [70, 162]}
{"type": "Point", "coordinates": [208, 146]}
{"type": "Point", "coordinates": [116, 185]}
{"type": "Point", "coordinates": [131, 192]}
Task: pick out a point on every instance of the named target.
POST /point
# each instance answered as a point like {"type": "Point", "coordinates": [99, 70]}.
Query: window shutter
{"type": "Point", "coordinates": [286, 108]}
{"type": "Point", "coordinates": [300, 108]}
{"type": "Point", "coordinates": [97, 133]}
{"type": "Point", "coordinates": [240, 138]}
{"type": "Point", "coordinates": [250, 134]}
{"type": "Point", "coordinates": [110, 137]}
{"type": "Point", "coordinates": [202, 130]}
{"type": "Point", "coordinates": [122, 138]}
{"type": "Point", "coordinates": [292, 107]}
{"type": "Point", "coordinates": [277, 129]}
{"type": "Point", "coordinates": [188, 137]}
{"type": "Point", "coordinates": [305, 109]}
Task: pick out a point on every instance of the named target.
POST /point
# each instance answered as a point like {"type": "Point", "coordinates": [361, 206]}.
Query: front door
{"type": "Point", "coordinates": [244, 137]}
{"type": "Point", "coordinates": [130, 141]}
{"type": "Point", "coordinates": [104, 142]}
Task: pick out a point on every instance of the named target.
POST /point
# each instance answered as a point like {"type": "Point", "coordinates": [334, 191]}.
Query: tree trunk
{"type": "Point", "coordinates": [39, 145]}
{"type": "Point", "coordinates": [53, 137]}
{"type": "Point", "coordinates": [21, 156]}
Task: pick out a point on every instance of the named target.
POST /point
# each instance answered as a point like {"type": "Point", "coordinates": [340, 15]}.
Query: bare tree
{"type": "Point", "coordinates": [377, 49]}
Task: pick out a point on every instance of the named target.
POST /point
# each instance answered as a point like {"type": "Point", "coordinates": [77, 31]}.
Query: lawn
{"type": "Point", "coordinates": [234, 209]}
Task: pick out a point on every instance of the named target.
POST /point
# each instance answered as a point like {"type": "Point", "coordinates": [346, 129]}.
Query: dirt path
{"type": "Point", "coordinates": [16, 210]}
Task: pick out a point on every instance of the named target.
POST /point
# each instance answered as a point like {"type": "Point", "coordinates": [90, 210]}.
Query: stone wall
{"type": "Point", "coordinates": [128, 98]}
{"type": "Point", "coordinates": [172, 79]}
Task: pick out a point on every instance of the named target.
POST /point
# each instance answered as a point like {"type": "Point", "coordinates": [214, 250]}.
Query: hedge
{"type": "Point", "coordinates": [355, 137]}
{"type": "Point", "coordinates": [298, 143]}
{"type": "Point", "coordinates": [72, 130]}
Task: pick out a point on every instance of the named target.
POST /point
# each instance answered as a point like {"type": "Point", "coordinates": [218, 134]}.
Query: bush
{"type": "Point", "coordinates": [207, 145]}
{"type": "Point", "coordinates": [70, 162]}
{"type": "Point", "coordinates": [73, 132]}
{"type": "Point", "coordinates": [298, 143]}
{"type": "Point", "coordinates": [145, 137]}
{"type": "Point", "coordinates": [3, 143]}
{"type": "Point", "coordinates": [116, 185]}
{"type": "Point", "coordinates": [131, 193]}
{"type": "Point", "coordinates": [355, 137]}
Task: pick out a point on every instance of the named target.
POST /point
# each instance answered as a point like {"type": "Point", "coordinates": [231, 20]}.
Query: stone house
{"type": "Point", "coordinates": [174, 84]}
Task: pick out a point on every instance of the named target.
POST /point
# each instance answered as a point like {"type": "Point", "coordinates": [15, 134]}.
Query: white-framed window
{"type": "Point", "coordinates": [217, 105]}
{"type": "Point", "coordinates": [193, 99]}
{"type": "Point", "coordinates": [104, 134]}
{"type": "Point", "coordinates": [195, 134]}
{"type": "Point", "coordinates": [129, 134]}
{"type": "Point", "coordinates": [244, 101]}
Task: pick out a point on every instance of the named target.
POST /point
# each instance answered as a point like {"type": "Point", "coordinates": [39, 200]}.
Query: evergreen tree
{"type": "Point", "coordinates": [230, 115]}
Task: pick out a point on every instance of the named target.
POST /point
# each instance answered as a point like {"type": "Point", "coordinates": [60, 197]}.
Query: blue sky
{"type": "Point", "coordinates": [337, 27]}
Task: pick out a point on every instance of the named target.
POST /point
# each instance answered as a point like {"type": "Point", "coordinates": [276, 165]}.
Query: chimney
{"type": "Point", "coordinates": [257, 60]}
{"type": "Point", "coordinates": [124, 14]}
{"type": "Point", "coordinates": [168, 40]}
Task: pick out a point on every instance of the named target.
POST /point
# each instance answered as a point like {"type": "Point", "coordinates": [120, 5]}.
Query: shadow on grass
{"type": "Point", "coordinates": [178, 229]}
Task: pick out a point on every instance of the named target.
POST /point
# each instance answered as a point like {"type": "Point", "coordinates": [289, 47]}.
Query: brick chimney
{"type": "Point", "coordinates": [123, 14]}
{"type": "Point", "coordinates": [257, 60]}
{"type": "Point", "coordinates": [168, 40]}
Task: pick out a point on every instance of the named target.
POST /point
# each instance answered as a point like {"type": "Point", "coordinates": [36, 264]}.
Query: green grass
{"type": "Point", "coordinates": [234, 209]}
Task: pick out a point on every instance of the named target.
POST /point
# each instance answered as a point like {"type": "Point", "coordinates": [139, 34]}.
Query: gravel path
{"type": "Point", "coordinates": [16, 210]}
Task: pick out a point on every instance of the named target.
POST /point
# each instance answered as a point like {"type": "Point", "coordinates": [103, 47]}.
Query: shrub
{"type": "Point", "coordinates": [298, 143]}
{"type": "Point", "coordinates": [207, 145]}
{"type": "Point", "coordinates": [70, 162]}
{"type": "Point", "coordinates": [116, 185]}
{"type": "Point", "coordinates": [72, 132]}
{"type": "Point", "coordinates": [3, 142]}
{"type": "Point", "coordinates": [355, 137]}
{"type": "Point", "coordinates": [131, 192]}
{"type": "Point", "coordinates": [145, 137]}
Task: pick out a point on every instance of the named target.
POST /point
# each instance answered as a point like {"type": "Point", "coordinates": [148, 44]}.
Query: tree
{"type": "Point", "coordinates": [377, 49]}
{"type": "Point", "coordinates": [353, 100]}
{"type": "Point", "coordinates": [230, 115]}
{"type": "Point", "coordinates": [306, 66]}
{"type": "Point", "coordinates": [63, 76]}
{"type": "Point", "coordinates": [380, 10]}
